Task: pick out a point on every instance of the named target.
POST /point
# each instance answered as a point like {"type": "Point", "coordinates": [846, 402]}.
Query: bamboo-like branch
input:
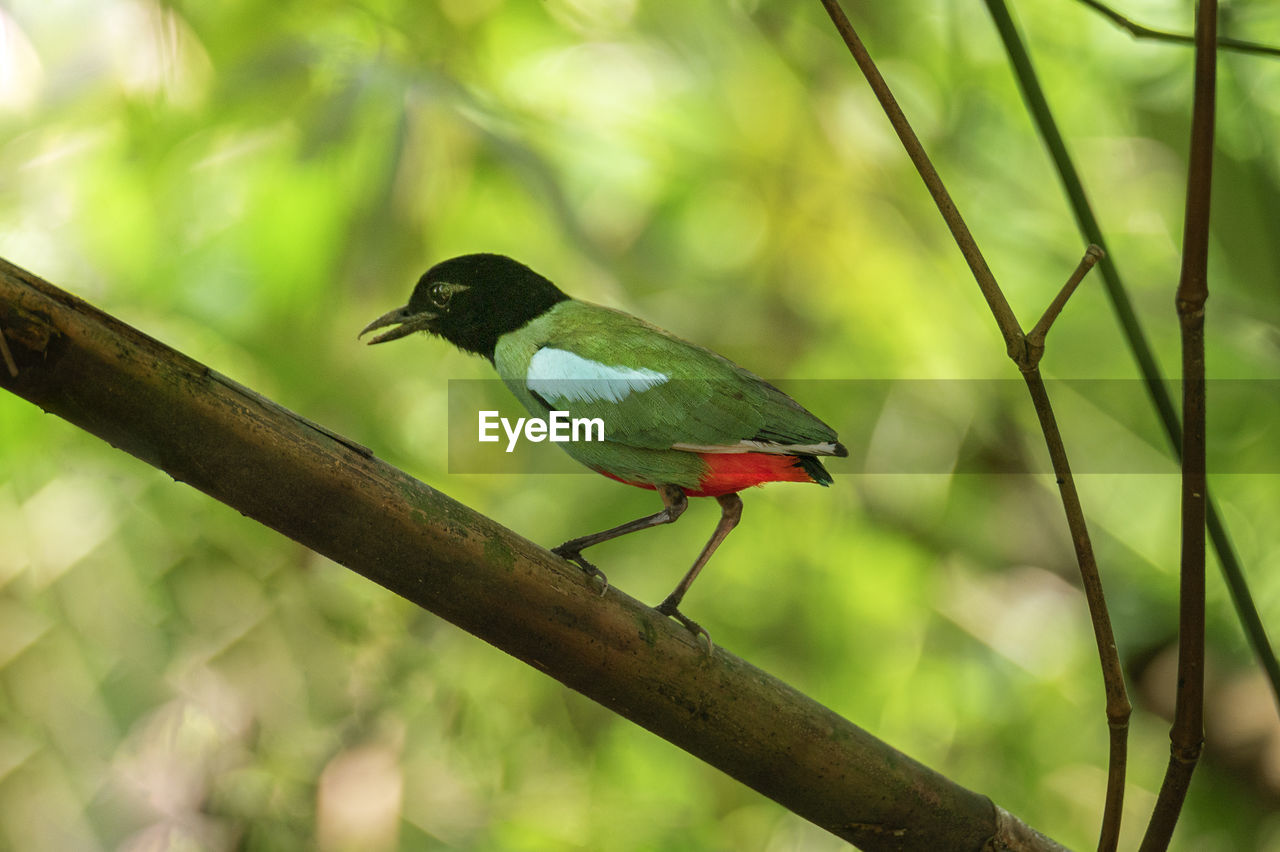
{"type": "Point", "coordinates": [1140, 31]}
{"type": "Point", "coordinates": [1136, 338]}
{"type": "Point", "coordinates": [1187, 734]}
{"type": "Point", "coordinates": [335, 497]}
{"type": "Point", "coordinates": [1026, 352]}
{"type": "Point", "coordinates": [8, 356]}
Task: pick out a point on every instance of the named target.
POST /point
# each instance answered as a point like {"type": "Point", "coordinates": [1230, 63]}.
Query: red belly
{"type": "Point", "coordinates": [729, 473]}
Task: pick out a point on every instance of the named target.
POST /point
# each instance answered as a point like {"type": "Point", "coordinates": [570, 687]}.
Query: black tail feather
{"type": "Point", "coordinates": [813, 467]}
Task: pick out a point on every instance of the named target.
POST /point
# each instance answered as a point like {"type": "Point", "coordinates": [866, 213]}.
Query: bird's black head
{"type": "Point", "coordinates": [471, 301]}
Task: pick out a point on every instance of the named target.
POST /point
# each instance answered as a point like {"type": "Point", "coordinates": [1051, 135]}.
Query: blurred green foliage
{"type": "Point", "coordinates": [251, 182]}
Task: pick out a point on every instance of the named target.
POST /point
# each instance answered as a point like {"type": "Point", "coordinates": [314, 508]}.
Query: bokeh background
{"type": "Point", "coordinates": [251, 182]}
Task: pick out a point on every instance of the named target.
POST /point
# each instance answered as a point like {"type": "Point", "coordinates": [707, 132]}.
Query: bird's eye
{"type": "Point", "coordinates": [440, 295]}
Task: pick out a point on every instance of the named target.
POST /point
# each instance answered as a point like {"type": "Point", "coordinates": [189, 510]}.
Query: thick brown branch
{"type": "Point", "coordinates": [8, 356]}
{"type": "Point", "coordinates": [335, 497]}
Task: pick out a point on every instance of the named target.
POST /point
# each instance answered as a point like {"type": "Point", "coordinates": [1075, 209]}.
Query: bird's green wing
{"type": "Point", "coordinates": [650, 388]}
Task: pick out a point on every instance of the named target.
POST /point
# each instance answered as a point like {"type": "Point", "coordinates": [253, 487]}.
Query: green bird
{"type": "Point", "coordinates": [678, 419]}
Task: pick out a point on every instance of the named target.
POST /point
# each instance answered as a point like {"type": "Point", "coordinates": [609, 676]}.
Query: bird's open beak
{"type": "Point", "coordinates": [406, 323]}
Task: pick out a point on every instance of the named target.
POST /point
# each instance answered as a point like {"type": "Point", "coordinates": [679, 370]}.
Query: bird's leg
{"type": "Point", "coordinates": [674, 503]}
{"type": "Point", "coordinates": [730, 514]}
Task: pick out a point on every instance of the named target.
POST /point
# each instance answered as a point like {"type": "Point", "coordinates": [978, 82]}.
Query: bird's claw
{"type": "Point", "coordinates": [592, 572]}
{"type": "Point", "coordinates": [669, 609]}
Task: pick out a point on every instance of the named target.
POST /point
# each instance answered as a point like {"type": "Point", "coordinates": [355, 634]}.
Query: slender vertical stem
{"type": "Point", "coordinates": [1027, 357]}
{"type": "Point", "coordinates": [1193, 291]}
{"type": "Point", "coordinates": [1118, 707]}
{"type": "Point", "coordinates": [1187, 733]}
{"type": "Point", "coordinates": [1038, 107]}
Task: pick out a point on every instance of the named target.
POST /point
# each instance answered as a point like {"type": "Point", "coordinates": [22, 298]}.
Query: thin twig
{"type": "Point", "coordinates": [1017, 344]}
{"type": "Point", "coordinates": [1152, 376]}
{"type": "Point", "coordinates": [1035, 338]}
{"type": "Point", "coordinates": [1139, 31]}
{"type": "Point", "coordinates": [1187, 734]}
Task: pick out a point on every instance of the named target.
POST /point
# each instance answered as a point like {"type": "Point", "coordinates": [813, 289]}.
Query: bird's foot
{"type": "Point", "coordinates": [670, 609]}
{"type": "Point", "coordinates": [574, 555]}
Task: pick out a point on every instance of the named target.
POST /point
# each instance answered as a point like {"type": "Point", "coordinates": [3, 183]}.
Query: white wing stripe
{"type": "Point", "coordinates": [562, 375]}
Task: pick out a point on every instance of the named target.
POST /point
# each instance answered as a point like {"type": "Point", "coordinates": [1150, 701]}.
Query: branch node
{"type": "Point", "coordinates": [1035, 339]}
